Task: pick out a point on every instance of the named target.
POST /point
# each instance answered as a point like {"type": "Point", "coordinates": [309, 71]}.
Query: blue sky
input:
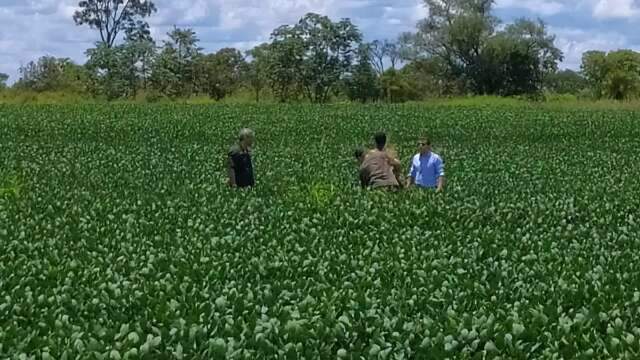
{"type": "Point", "coordinates": [32, 28]}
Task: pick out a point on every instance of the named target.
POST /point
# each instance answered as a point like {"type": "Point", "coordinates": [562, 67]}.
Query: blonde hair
{"type": "Point", "coordinates": [245, 133]}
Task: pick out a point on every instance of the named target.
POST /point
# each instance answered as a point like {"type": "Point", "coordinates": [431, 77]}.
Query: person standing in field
{"type": "Point", "coordinates": [427, 168]}
{"type": "Point", "coordinates": [240, 165]}
{"type": "Point", "coordinates": [378, 169]}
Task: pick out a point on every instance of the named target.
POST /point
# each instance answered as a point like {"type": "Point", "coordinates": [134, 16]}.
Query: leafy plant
{"type": "Point", "coordinates": [129, 245]}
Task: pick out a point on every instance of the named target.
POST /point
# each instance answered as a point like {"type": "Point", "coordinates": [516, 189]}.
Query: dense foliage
{"type": "Point", "coordinates": [613, 75]}
{"type": "Point", "coordinates": [119, 239]}
{"type": "Point", "coordinates": [456, 50]}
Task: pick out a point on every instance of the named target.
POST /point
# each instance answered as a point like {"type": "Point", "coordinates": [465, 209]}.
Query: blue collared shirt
{"type": "Point", "coordinates": [426, 169]}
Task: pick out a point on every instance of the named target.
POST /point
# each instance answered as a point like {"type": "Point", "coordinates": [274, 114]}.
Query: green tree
{"type": "Point", "coordinates": [329, 52]}
{"type": "Point", "coordinates": [594, 68]}
{"type": "Point", "coordinates": [623, 75]}
{"type": "Point", "coordinates": [120, 71]}
{"type": "Point", "coordinates": [430, 77]}
{"type": "Point", "coordinates": [565, 82]}
{"type": "Point", "coordinates": [285, 61]}
{"type": "Point", "coordinates": [381, 52]}
{"type": "Point", "coordinates": [536, 38]}
{"type": "Point", "coordinates": [111, 17]}
{"type": "Point", "coordinates": [314, 55]}
{"type": "Point", "coordinates": [362, 84]}
{"type": "Point", "coordinates": [142, 50]}
{"type": "Point", "coordinates": [397, 87]}
{"type": "Point", "coordinates": [174, 72]}
{"type": "Point", "coordinates": [257, 70]}
{"type": "Point", "coordinates": [111, 71]}
{"type": "Point", "coordinates": [508, 67]}
{"type": "Point", "coordinates": [3, 80]}
{"type": "Point", "coordinates": [52, 74]}
{"type": "Point", "coordinates": [220, 74]}
{"type": "Point", "coordinates": [456, 31]}
{"type": "Point", "coordinates": [462, 35]}
{"type": "Point", "coordinates": [615, 75]}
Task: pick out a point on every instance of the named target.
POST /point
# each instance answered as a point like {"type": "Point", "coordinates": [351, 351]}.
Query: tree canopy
{"type": "Point", "coordinates": [460, 48]}
{"type": "Point", "coordinates": [111, 17]}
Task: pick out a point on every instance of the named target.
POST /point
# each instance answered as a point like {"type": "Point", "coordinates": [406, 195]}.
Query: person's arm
{"type": "Point", "coordinates": [440, 187]}
{"type": "Point", "coordinates": [396, 166]}
{"type": "Point", "coordinates": [394, 162]}
{"type": "Point", "coordinates": [441, 178]}
{"type": "Point", "coordinates": [413, 172]}
{"type": "Point", "coordinates": [231, 171]}
{"type": "Point", "coordinates": [364, 177]}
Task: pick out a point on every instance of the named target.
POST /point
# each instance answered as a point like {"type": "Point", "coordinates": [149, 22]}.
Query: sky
{"type": "Point", "coordinates": [33, 28]}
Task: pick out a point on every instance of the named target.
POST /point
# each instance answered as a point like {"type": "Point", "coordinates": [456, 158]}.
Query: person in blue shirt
{"type": "Point", "coordinates": [427, 168]}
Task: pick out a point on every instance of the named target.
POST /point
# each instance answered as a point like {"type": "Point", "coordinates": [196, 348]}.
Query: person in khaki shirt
{"type": "Point", "coordinates": [378, 169]}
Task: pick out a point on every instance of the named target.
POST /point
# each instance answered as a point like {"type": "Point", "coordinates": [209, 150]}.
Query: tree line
{"type": "Point", "coordinates": [459, 49]}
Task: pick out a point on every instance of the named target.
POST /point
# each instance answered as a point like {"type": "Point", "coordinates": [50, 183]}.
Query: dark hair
{"type": "Point", "coordinates": [358, 152]}
{"type": "Point", "coordinates": [380, 140]}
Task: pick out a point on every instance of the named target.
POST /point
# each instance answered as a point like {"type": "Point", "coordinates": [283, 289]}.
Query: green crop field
{"type": "Point", "coordinates": [120, 240]}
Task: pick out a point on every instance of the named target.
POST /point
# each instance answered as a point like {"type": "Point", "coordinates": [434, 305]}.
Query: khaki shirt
{"type": "Point", "coordinates": [377, 171]}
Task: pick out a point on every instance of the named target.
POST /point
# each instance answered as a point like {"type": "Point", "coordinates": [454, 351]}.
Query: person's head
{"type": "Point", "coordinates": [381, 140]}
{"type": "Point", "coordinates": [359, 154]}
{"type": "Point", "coordinates": [246, 137]}
{"type": "Point", "coordinates": [424, 146]}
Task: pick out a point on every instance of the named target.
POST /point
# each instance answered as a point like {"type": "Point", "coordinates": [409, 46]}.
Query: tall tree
{"type": "Point", "coordinates": [220, 74]}
{"type": "Point", "coordinates": [51, 74]}
{"type": "Point", "coordinates": [330, 49]}
{"type": "Point", "coordinates": [377, 54]}
{"type": "Point", "coordinates": [111, 71]}
{"type": "Point", "coordinates": [362, 83]}
{"type": "Point", "coordinates": [173, 71]}
{"type": "Point", "coordinates": [393, 53]}
{"type": "Point", "coordinates": [257, 72]}
{"type": "Point", "coordinates": [119, 71]}
{"type": "Point", "coordinates": [111, 17]}
{"type": "Point", "coordinates": [285, 61]}
{"type": "Point", "coordinates": [3, 80]}
{"type": "Point", "coordinates": [456, 31]}
{"type": "Point", "coordinates": [311, 56]}
{"type": "Point", "coordinates": [538, 41]}
{"type": "Point", "coordinates": [508, 67]}
{"type": "Point", "coordinates": [462, 35]}
{"type": "Point", "coordinates": [141, 49]}
{"type": "Point", "coordinates": [408, 47]}
{"type": "Point", "coordinates": [615, 75]}
{"type": "Point", "coordinates": [594, 69]}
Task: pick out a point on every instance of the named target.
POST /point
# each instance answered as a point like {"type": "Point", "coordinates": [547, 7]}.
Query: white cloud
{"type": "Point", "coordinates": [541, 7]}
{"type": "Point", "coordinates": [574, 42]}
{"type": "Point", "coordinates": [607, 9]}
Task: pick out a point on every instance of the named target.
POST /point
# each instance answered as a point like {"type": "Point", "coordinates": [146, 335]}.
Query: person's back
{"type": "Point", "coordinates": [376, 171]}
{"type": "Point", "coordinates": [240, 166]}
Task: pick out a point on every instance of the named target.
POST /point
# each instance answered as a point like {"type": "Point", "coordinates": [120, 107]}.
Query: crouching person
{"type": "Point", "coordinates": [376, 170]}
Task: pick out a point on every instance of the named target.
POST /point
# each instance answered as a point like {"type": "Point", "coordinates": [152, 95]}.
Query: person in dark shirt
{"type": "Point", "coordinates": [240, 166]}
